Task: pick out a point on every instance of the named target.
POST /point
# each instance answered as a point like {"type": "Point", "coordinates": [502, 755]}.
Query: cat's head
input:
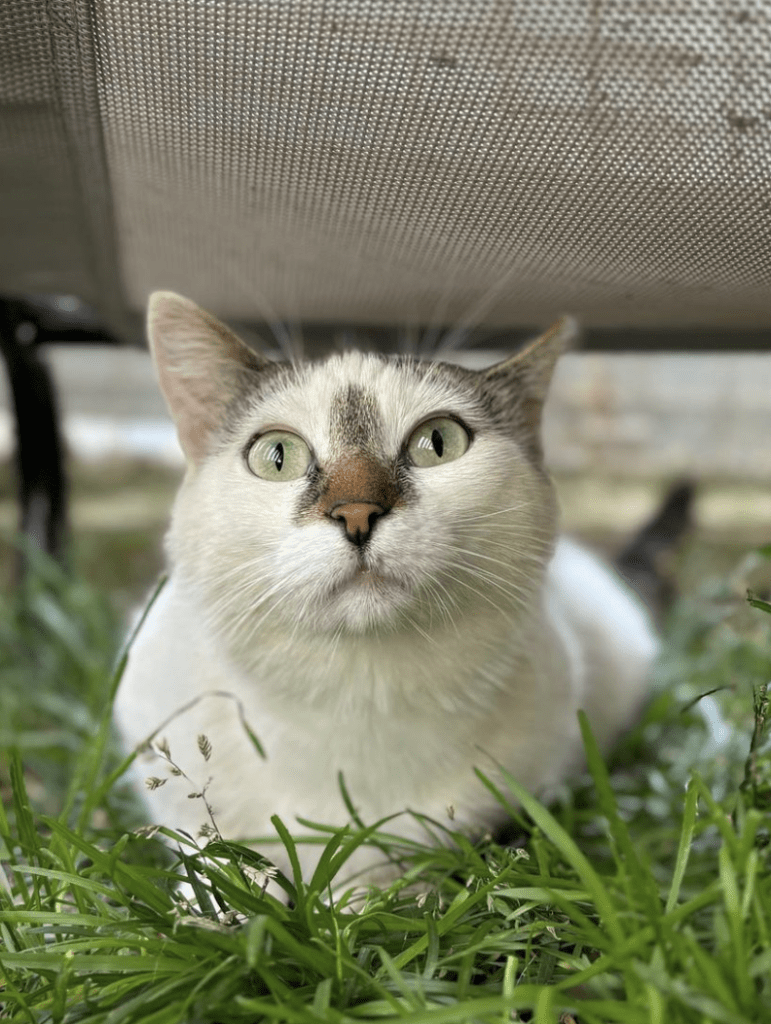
{"type": "Point", "coordinates": [355, 495]}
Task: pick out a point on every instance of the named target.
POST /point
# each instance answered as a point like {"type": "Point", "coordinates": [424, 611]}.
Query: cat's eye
{"type": "Point", "coordinates": [279, 455]}
{"type": "Point", "coordinates": [437, 441]}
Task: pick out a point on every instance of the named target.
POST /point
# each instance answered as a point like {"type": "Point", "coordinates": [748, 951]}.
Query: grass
{"type": "Point", "coordinates": [642, 895]}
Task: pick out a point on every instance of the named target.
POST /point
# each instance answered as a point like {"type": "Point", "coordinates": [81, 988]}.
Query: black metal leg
{"type": "Point", "coordinates": [39, 448]}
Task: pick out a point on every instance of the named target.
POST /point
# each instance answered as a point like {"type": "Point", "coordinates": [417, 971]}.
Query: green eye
{"type": "Point", "coordinates": [279, 455]}
{"type": "Point", "coordinates": [437, 441]}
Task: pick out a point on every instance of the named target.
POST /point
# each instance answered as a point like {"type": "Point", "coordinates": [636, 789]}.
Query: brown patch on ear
{"type": "Point", "coordinates": [203, 368]}
{"type": "Point", "coordinates": [516, 388]}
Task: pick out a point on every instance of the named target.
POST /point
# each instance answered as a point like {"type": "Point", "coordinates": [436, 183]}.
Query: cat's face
{"type": "Point", "coordinates": [362, 494]}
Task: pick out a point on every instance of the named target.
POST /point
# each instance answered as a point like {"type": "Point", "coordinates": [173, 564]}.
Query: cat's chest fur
{"type": "Point", "coordinates": [363, 569]}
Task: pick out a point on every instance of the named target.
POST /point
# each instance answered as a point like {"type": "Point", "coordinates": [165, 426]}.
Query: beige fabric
{"type": "Point", "coordinates": [56, 228]}
{"type": "Point", "coordinates": [41, 248]}
{"type": "Point", "coordinates": [394, 161]}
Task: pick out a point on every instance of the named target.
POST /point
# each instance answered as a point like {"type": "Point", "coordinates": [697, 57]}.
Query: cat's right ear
{"type": "Point", "coordinates": [203, 368]}
{"type": "Point", "coordinates": [516, 388]}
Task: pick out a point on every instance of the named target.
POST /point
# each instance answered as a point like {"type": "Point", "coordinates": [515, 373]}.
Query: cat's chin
{"type": "Point", "coordinates": [365, 601]}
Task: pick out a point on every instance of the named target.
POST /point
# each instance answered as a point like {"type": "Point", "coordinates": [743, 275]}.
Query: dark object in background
{"type": "Point", "coordinates": [643, 563]}
{"type": "Point", "coordinates": [24, 324]}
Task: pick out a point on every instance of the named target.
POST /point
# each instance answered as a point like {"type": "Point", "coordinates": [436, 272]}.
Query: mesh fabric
{"type": "Point", "coordinates": [384, 161]}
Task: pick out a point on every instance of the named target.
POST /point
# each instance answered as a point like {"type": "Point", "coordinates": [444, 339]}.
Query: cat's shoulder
{"type": "Point", "coordinates": [168, 644]}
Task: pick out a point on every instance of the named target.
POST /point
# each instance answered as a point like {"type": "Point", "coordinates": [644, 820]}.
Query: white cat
{"type": "Point", "coordinates": [363, 563]}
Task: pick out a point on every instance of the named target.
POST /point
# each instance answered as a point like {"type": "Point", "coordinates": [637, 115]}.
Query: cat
{"type": "Point", "coordinates": [364, 567]}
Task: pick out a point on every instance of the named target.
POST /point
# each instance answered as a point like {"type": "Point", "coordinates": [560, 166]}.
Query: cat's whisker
{"type": "Point", "coordinates": [495, 512]}
{"type": "Point", "coordinates": [250, 290]}
{"type": "Point", "coordinates": [506, 584]}
{"type": "Point", "coordinates": [336, 638]}
{"type": "Point", "coordinates": [419, 629]}
{"type": "Point", "coordinates": [236, 586]}
{"type": "Point", "coordinates": [523, 528]}
{"type": "Point", "coordinates": [483, 304]}
{"type": "Point", "coordinates": [516, 543]}
{"type": "Point", "coordinates": [256, 627]}
{"type": "Point", "coordinates": [245, 576]}
{"type": "Point", "coordinates": [509, 590]}
{"type": "Point", "coordinates": [431, 599]}
{"type": "Point", "coordinates": [508, 566]}
{"type": "Point", "coordinates": [235, 600]}
{"type": "Point", "coordinates": [484, 535]}
{"type": "Point", "coordinates": [408, 341]}
{"type": "Point", "coordinates": [514, 551]}
{"type": "Point", "coordinates": [464, 583]}
{"type": "Point", "coordinates": [442, 595]}
{"type": "Point", "coordinates": [511, 554]}
{"type": "Point", "coordinates": [513, 573]}
{"type": "Point", "coordinates": [256, 559]}
{"type": "Point", "coordinates": [234, 623]}
{"type": "Point", "coordinates": [515, 539]}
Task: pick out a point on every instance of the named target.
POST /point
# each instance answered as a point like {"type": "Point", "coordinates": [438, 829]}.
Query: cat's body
{"type": "Point", "coordinates": [363, 568]}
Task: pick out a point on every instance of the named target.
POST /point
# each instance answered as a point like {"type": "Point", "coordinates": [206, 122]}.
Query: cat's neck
{"type": "Point", "coordinates": [457, 668]}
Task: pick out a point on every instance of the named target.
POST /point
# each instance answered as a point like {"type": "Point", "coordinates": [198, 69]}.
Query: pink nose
{"type": "Point", "coordinates": [359, 518]}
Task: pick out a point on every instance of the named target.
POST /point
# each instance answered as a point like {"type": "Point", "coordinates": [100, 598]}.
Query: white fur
{"type": "Point", "coordinates": [592, 648]}
{"type": "Point", "coordinates": [464, 645]}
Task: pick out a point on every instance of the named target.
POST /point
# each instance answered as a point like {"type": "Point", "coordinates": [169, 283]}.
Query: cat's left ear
{"type": "Point", "coordinates": [520, 384]}
{"type": "Point", "coordinates": [203, 369]}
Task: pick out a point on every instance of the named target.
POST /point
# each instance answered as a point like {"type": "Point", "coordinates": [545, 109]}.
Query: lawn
{"type": "Point", "coordinates": [643, 894]}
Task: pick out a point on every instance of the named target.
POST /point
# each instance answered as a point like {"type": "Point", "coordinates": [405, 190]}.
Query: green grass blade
{"type": "Point", "coordinates": [298, 894]}
{"type": "Point", "coordinates": [638, 881]}
{"type": "Point", "coordinates": [684, 845]}
{"type": "Point", "coordinates": [84, 781]}
{"type": "Point", "coordinates": [551, 828]}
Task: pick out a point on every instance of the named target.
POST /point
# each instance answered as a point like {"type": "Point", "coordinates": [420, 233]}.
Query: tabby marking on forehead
{"type": "Point", "coordinates": [355, 420]}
